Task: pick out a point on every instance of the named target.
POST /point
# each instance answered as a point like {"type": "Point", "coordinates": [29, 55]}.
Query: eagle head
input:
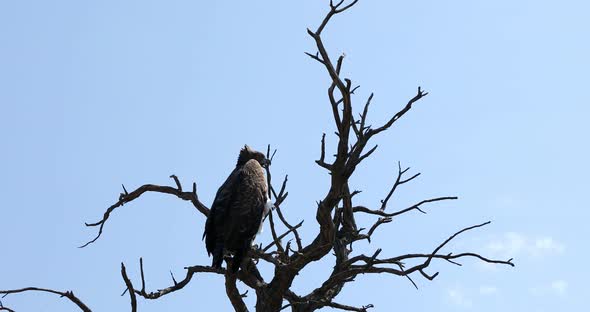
{"type": "Point", "coordinates": [247, 153]}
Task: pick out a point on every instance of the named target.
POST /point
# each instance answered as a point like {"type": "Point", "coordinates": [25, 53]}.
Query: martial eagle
{"type": "Point", "coordinates": [239, 209]}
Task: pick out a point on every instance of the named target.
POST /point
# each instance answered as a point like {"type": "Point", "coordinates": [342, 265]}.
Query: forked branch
{"type": "Point", "coordinates": [398, 182]}
{"type": "Point", "coordinates": [416, 206]}
{"type": "Point", "coordinates": [126, 197]}
{"type": "Point", "coordinates": [279, 198]}
{"type": "Point", "coordinates": [398, 115]}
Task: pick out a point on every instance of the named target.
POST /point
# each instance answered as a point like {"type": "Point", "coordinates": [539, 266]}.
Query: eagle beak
{"type": "Point", "coordinates": [266, 163]}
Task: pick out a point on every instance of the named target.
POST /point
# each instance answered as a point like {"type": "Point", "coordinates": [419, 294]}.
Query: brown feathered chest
{"type": "Point", "coordinates": [247, 208]}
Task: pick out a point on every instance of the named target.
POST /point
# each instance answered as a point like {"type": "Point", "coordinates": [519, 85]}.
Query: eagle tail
{"type": "Point", "coordinates": [217, 256]}
{"type": "Point", "coordinates": [237, 260]}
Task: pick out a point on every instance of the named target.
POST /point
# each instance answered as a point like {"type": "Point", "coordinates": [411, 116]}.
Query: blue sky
{"type": "Point", "coordinates": [94, 94]}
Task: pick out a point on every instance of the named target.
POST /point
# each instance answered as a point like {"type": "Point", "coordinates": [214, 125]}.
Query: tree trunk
{"type": "Point", "coordinates": [269, 301]}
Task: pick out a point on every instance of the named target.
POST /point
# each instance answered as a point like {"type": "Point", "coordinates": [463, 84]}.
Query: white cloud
{"type": "Point", "coordinates": [487, 290]}
{"type": "Point", "coordinates": [548, 244]}
{"type": "Point", "coordinates": [463, 297]}
{"type": "Point", "coordinates": [514, 244]}
{"type": "Point", "coordinates": [511, 243]}
{"type": "Point", "coordinates": [458, 298]}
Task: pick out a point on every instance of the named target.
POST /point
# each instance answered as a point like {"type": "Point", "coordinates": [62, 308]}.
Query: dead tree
{"type": "Point", "coordinates": [335, 215]}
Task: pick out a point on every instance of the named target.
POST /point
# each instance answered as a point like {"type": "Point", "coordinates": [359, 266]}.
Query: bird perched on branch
{"type": "Point", "coordinates": [239, 209]}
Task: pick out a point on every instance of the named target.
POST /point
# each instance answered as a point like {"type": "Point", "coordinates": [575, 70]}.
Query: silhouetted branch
{"type": "Point", "coordinates": [315, 57]}
{"type": "Point", "coordinates": [364, 114]}
{"type": "Point", "coordinates": [394, 214]}
{"type": "Point", "coordinates": [348, 308]}
{"type": "Point", "coordinates": [68, 294]}
{"type": "Point", "coordinates": [292, 229]}
{"type": "Point", "coordinates": [3, 308]}
{"type": "Point", "coordinates": [128, 197]}
{"type": "Point", "coordinates": [233, 293]}
{"type": "Point", "coordinates": [334, 9]}
{"type": "Point", "coordinates": [374, 227]}
{"type": "Point", "coordinates": [322, 161]}
{"type": "Point", "coordinates": [190, 271]}
{"type": "Point", "coordinates": [130, 289]}
{"type": "Point", "coordinates": [276, 239]}
{"type": "Point", "coordinates": [371, 261]}
{"type": "Point", "coordinates": [398, 182]}
{"type": "Point", "coordinates": [398, 115]}
{"type": "Point", "coordinates": [348, 270]}
{"type": "Point", "coordinates": [279, 198]}
{"type": "Point", "coordinates": [249, 275]}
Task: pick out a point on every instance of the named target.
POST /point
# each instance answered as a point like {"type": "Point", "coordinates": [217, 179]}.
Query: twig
{"type": "Point", "coordinates": [129, 288]}
{"type": "Point", "coordinates": [321, 162]}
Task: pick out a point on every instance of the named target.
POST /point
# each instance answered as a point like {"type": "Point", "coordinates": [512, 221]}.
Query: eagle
{"type": "Point", "coordinates": [239, 209]}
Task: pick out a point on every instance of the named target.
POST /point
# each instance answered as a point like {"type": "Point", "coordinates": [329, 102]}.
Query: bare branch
{"type": "Point", "coordinates": [3, 308]}
{"type": "Point", "coordinates": [399, 114]}
{"type": "Point", "coordinates": [68, 294]}
{"type": "Point", "coordinates": [315, 57]}
{"type": "Point", "coordinates": [321, 162]}
{"type": "Point", "coordinates": [348, 308]}
{"type": "Point", "coordinates": [367, 154]}
{"type": "Point", "coordinates": [233, 293]}
{"type": "Point", "coordinates": [398, 182]}
{"type": "Point", "coordinates": [434, 253]}
{"type": "Point", "coordinates": [177, 286]}
{"type": "Point", "coordinates": [339, 64]}
{"type": "Point", "coordinates": [274, 242]}
{"type": "Point", "coordinates": [249, 275]}
{"type": "Point", "coordinates": [371, 262]}
{"type": "Point", "coordinates": [340, 10]}
{"type": "Point", "coordinates": [291, 228]}
{"type": "Point", "coordinates": [279, 198]}
{"type": "Point", "coordinates": [128, 197]}
{"type": "Point", "coordinates": [178, 185]}
{"type": "Point", "coordinates": [334, 9]}
{"type": "Point", "coordinates": [334, 103]}
{"type": "Point", "coordinates": [365, 112]}
{"type": "Point", "coordinates": [348, 270]}
{"type": "Point", "coordinates": [129, 288]}
{"type": "Point", "coordinates": [394, 214]}
{"type": "Point", "coordinates": [374, 227]}
{"type": "Point", "coordinates": [276, 239]}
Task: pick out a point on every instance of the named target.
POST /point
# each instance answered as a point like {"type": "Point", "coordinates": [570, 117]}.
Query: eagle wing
{"type": "Point", "coordinates": [219, 210]}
